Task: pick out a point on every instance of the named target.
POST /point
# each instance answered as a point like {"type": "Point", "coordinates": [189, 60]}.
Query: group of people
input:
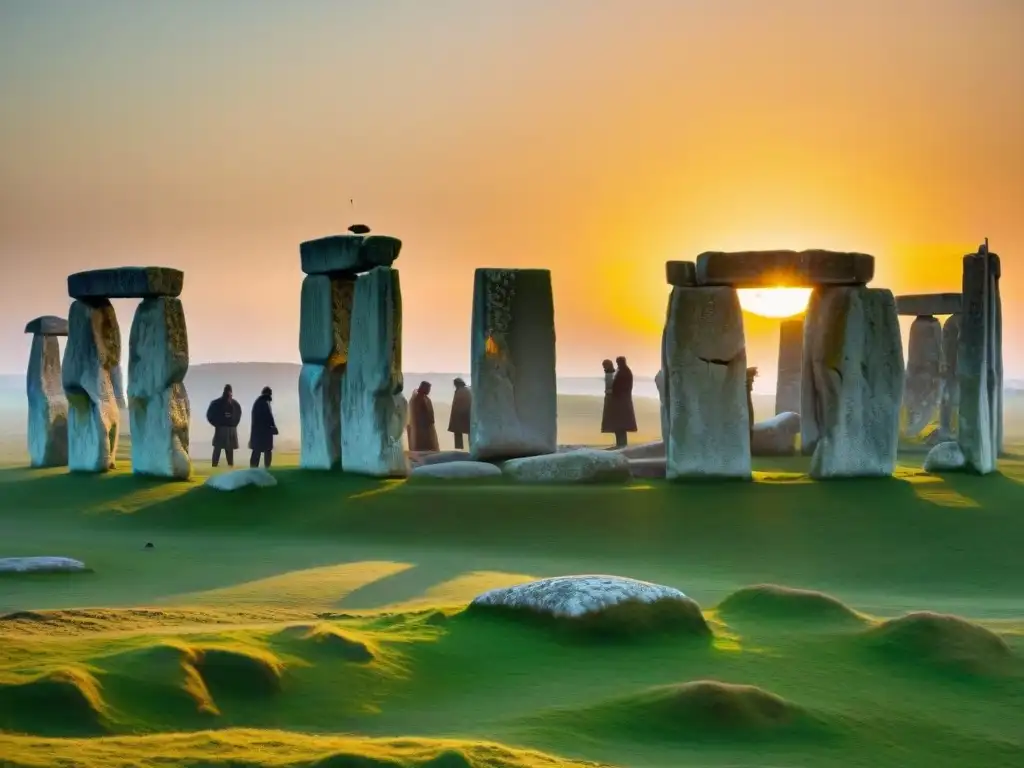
{"type": "Point", "coordinates": [618, 417]}
{"type": "Point", "coordinates": [422, 431]}
{"type": "Point", "coordinates": [225, 413]}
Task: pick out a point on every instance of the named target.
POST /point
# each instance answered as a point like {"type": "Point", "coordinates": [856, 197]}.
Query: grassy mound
{"type": "Point", "coordinates": [942, 641]}
{"type": "Point", "coordinates": [64, 701]}
{"type": "Point", "coordinates": [336, 642]}
{"type": "Point", "coordinates": [628, 620]}
{"type": "Point", "coordinates": [703, 710]}
{"type": "Point", "coordinates": [237, 670]}
{"type": "Point", "coordinates": [773, 603]}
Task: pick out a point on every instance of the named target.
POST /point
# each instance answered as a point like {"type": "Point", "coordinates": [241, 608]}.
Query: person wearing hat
{"type": "Point", "coordinates": [262, 430]}
{"type": "Point", "coordinates": [462, 405]}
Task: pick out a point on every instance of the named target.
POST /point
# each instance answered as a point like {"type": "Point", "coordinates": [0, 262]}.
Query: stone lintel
{"type": "Point", "coordinates": [48, 325]}
{"type": "Point", "coordinates": [681, 274]}
{"type": "Point", "coordinates": [925, 304]}
{"type": "Point", "coordinates": [778, 269]}
{"type": "Point", "coordinates": [126, 283]}
{"type": "Point", "coordinates": [348, 254]}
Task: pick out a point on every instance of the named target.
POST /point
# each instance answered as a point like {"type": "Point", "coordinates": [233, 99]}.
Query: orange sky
{"type": "Point", "coordinates": [592, 137]}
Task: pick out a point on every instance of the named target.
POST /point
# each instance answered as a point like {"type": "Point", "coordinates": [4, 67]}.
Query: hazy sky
{"type": "Point", "coordinates": [591, 137]}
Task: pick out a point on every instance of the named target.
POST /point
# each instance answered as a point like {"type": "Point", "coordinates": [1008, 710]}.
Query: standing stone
{"type": "Point", "coordinates": [922, 393]}
{"type": "Point", "coordinates": [324, 326]}
{"type": "Point", "coordinates": [93, 351]}
{"type": "Point", "coordinates": [705, 364]}
{"type": "Point", "coordinates": [117, 380]}
{"type": "Point", "coordinates": [47, 405]}
{"type": "Point", "coordinates": [852, 382]}
{"type": "Point", "coordinates": [373, 409]}
{"type": "Point", "coordinates": [514, 411]}
{"type": "Point", "coordinates": [995, 357]}
{"type": "Point", "coordinates": [158, 407]}
{"type": "Point", "coordinates": [979, 414]}
{"type": "Point", "coordinates": [949, 399]}
{"type": "Point", "coordinates": [791, 353]}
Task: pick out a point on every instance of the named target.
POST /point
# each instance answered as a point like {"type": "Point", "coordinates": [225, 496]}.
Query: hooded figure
{"type": "Point", "coordinates": [462, 404]}
{"type": "Point", "coordinates": [618, 417]}
{"type": "Point", "coordinates": [224, 414]}
{"type": "Point", "coordinates": [262, 430]}
{"type": "Point", "coordinates": [422, 432]}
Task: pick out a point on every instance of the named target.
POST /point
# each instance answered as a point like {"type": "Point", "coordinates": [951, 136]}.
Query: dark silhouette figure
{"type": "Point", "coordinates": [262, 430]}
{"type": "Point", "coordinates": [618, 417]}
{"type": "Point", "coordinates": [224, 414]}
{"type": "Point", "coordinates": [462, 404]}
{"type": "Point", "coordinates": [751, 375]}
{"type": "Point", "coordinates": [422, 432]}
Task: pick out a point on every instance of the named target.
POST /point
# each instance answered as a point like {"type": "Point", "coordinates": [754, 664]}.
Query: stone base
{"type": "Point", "coordinates": [320, 416]}
{"type": "Point", "coordinates": [852, 383]}
{"type": "Point", "coordinates": [160, 434]}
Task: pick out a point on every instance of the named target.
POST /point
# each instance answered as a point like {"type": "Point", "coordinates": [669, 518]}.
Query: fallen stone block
{"type": "Point", "coordinates": [240, 478]}
{"type": "Point", "coordinates": [774, 269]}
{"type": "Point", "coordinates": [514, 411]}
{"type": "Point", "coordinates": [652, 468]}
{"type": "Point", "coordinates": [945, 457]}
{"type": "Point", "coordinates": [925, 304]}
{"type": "Point", "coordinates": [580, 466]}
{"type": "Point", "coordinates": [655, 449]}
{"type": "Point", "coordinates": [126, 283]}
{"type": "Point", "coordinates": [348, 254]}
{"type": "Point", "coordinates": [428, 458]}
{"type": "Point", "coordinates": [775, 436]}
{"type": "Point", "coordinates": [457, 470]}
{"type": "Point", "coordinates": [41, 565]}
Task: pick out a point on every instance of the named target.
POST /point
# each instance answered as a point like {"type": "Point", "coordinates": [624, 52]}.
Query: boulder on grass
{"type": "Point", "coordinates": [582, 466]}
{"type": "Point", "coordinates": [775, 436]}
{"type": "Point", "coordinates": [239, 478]}
{"type": "Point", "coordinates": [575, 596]}
{"type": "Point", "coordinates": [945, 457]}
{"type": "Point", "coordinates": [457, 470]}
{"type": "Point", "coordinates": [41, 565]}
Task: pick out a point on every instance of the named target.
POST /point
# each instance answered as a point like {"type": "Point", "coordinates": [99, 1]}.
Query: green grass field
{"type": "Point", "coordinates": [320, 623]}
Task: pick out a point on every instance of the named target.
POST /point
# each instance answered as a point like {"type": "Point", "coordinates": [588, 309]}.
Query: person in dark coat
{"type": "Point", "coordinates": [751, 375]}
{"type": "Point", "coordinates": [224, 414]}
{"type": "Point", "coordinates": [262, 430]}
{"type": "Point", "coordinates": [422, 431]}
{"type": "Point", "coordinates": [462, 405]}
{"type": "Point", "coordinates": [618, 417]}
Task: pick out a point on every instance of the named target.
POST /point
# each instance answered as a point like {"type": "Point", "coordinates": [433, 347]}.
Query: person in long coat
{"type": "Point", "coordinates": [224, 414]}
{"type": "Point", "coordinates": [751, 375]}
{"type": "Point", "coordinates": [462, 404]}
{"type": "Point", "coordinates": [619, 417]}
{"type": "Point", "coordinates": [262, 430]}
{"type": "Point", "coordinates": [422, 431]}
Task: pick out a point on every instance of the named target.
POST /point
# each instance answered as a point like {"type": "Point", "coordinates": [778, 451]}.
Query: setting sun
{"type": "Point", "coordinates": [774, 302]}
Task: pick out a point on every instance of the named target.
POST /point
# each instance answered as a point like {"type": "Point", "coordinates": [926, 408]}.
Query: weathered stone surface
{"type": "Point", "coordinates": [705, 364]}
{"type": "Point", "coordinates": [457, 470]}
{"type": "Point", "coordinates": [348, 254]}
{"type": "Point", "coordinates": [995, 357]}
{"type": "Point", "coordinates": [852, 382]}
{"type": "Point", "coordinates": [659, 382]}
{"type": "Point", "coordinates": [791, 360]}
{"type": "Point", "coordinates": [41, 565]}
{"type": "Point", "coordinates": [979, 414]}
{"type": "Point", "coordinates": [240, 478]}
{"type": "Point", "coordinates": [949, 378]}
{"type": "Point", "coordinates": [514, 411]}
{"type": "Point", "coordinates": [575, 596]}
{"type": "Point", "coordinates": [93, 350]}
{"type": "Point", "coordinates": [427, 458]}
{"type": "Point", "coordinates": [653, 449]}
{"type": "Point", "coordinates": [47, 405]}
{"type": "Point", "coordinates": [775, 436]}
{"type": "Point", "coordinates": [945, 457]}
{"type": "Point", "coordinates": [585, 465]}
{"type": "Point", "coordinates": [126, 283]}
{"type": "Point", "coordinates": [922, 393]}
{"type": "Point", "coordinates": [373, 409]}
{"type": "Point", "coordinates": [925, 304]}
{"type": "Point", "coordinates": [774, 269]}
{"type": "Point", "coordinates": [117, 382]}
{"type": "Point", "coordinates": [320, 416]}
{"type": "Point", "coordinates": [48, 325]}
{"type": "Point", "coordinates": [158, 406]}
{"type": "Point", "coordinates": [649, 468]}
{"type": "Point", "coordinates": [326, 319]}
{"type": "Point", "coordinates": [681, 273]}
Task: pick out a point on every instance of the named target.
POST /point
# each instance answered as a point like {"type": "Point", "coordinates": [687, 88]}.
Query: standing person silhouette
{"type": "Point", "coordinates": [462, 405]}
{"type": "Point", "coordinates": [262, 430]}
{"type": "Point", "coordinates": [224, 414]}
{"type": "Point", "coordinates": [619, 417]}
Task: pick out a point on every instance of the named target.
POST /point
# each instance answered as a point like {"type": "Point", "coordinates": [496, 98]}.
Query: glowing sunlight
{"type": "Point", "coordinates": [774, 302]}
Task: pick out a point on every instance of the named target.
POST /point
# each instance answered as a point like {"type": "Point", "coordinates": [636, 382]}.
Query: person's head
{"type": "Point", "coordinates": [424, 387]}
{"type": "Point", "coordinates": [459, 383]}
{"type": "Point", "coordinates": [607, 365]}
{"type": "Point", "coordinates": [267, 393]}
{"type": "Point", "coordinates": [228, 392]}
{"type": "Point", "coordinates": [620, 361]}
